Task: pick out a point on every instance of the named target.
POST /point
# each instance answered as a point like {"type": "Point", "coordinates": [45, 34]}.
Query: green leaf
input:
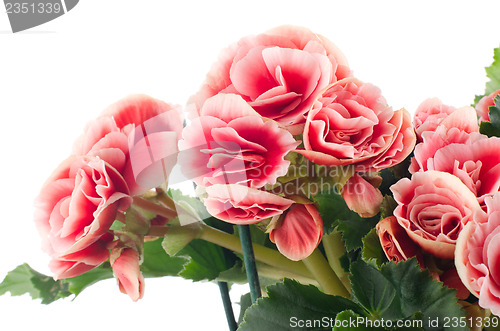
{"type": "Point", "coordinates": [206, 260]}
{"type": "Point", "coordinates": [374, 291]}
{"type": "Point", "coordinates": [235, 274]}
{"type": "Point", "coordinates": [492, 128]}
{"type": "Point", "coordinates": [387, 207]}
{"type": "Point", "coordinates": [335, 213]}
{"type": "Point", "coordinates": [24, 279]}
{"type": "Point", "coordinates": [190, 203]}
{"type": "Point", "coordinates": [179, 236]}
{"type": "Point", "coordinates": [372, 250]}
{"type": "Point", "coordinates": [157, 263]}
{"type": "Point", "coordinates": [77, 284]}
{"type": "Point", "coordinates": [399, 291]}
{"type": "Point", "coordinates": [493, 73]}
{"type": "Point", "coordinates": [291, 305]}
{"type": "Point", "coordinates": [245, 302]}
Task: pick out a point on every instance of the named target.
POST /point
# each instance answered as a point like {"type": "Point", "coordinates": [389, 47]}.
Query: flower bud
{"type": "Point", "coordinates": [125, 264]}
{"type": "Point", "coordinates": [396, 244]}
{"type": "Point", "coordinates": [299, 233]}
{"type": "Point", "coordinates": [361, 197]}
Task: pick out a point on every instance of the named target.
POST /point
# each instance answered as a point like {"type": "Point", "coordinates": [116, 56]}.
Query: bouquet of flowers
{"type": "Point", "coordinates": [340, 212]}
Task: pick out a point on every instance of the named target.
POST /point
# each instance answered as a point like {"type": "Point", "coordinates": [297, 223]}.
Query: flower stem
{"type": "Point", "coordinates": [228, 308]}
{"type": "Point", "coordinates": [154, 208]}
{"type": "Point", "coordinates": [262, 253]}
{"type": "Point", "coordinates": [249, 259]}
{"type": "Point", "coordinates": [267, 271]}
{"type": "Point", "coordinates": [165, 199]}
{"type": "Point", "coordinates": [325, 276]}
{"type": "Point", "coordinates": [334, 249]}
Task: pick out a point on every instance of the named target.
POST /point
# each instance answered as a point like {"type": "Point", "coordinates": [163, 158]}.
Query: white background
{"type": "Point", "coordinates": [56, 77]}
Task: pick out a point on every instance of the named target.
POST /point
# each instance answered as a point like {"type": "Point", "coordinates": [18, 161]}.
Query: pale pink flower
{"type": "Point", "coordinates": [433, 141]}
{"type": "Point", "coordinates": [483, 106]}
{"type": "Point", "coordinates": [75, 210]}
{"type": "Point", "coordinates": [476, 163]}
{"type": "Point", "coordinates": [477, 256]}
{"type": "Point", "coordinates": [279, 73]}
{"type": "Point", "coordinates": [429, 114]}
{"type": "Point", "coordinates": [351, 123]}
{"type": "Point", "coordinates": [125, 264]}
{"type": "Point", "coordinates": [456, 126]}
{"type": "Point", "coordinates": [231, 144]}
{"type": "Point", "coordinates": [299, 232]}
{"type": "Point", "coordinates": [433, 207]}
{"type": "Point", "coordinates": [361, 196]}
{"type": "Point", "coordinates": [239, 204]}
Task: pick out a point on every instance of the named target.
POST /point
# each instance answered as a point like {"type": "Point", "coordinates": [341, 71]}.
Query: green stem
{"type": "Point", "coordinates": [228, 308]}
{"type": "Point", "coordinates": [270, 257]}
{"type": "Point", "coordinates": [164, 198]}
{"type": "Point", "coordinates": [319, 267]}
{"type": "Point", "coordinates": [334, 249]}
{"type": "Point", "coordinates": [155, 208]}
{"type": "Point", "coordinates": [249, 259]}
{"type": "Point", "coordinates": [267, 271]}
{"type": "Point", "coordinates": [262, 253]}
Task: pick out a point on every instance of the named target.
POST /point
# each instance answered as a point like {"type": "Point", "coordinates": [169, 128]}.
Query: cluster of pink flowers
{"type": "Point", "coordinates": [448, 209]}
{"type": "Point", "coordinates": [110, 164]}
{"type": "Point", "coordinates": [271, 103]}
{"type": "Point", "coordinates": [265, 96]}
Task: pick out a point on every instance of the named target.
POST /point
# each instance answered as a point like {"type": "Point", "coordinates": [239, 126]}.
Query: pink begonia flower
{"type": "Point", "coordinates": [146, 130]}
{"type": "Point", "coordinates": [351, 123]}
{"type": "Point", "coordinates": [433, 207]}
{"type": "Point", "coordinates": [279, 73]}
{"type": "Point", "coordinates": [432, 113]}
{"type": "Point", "coordinates": [395, 242]}
{"type": "Point", "coordinates": [231, 144]}
{"type": "Point", "coordinates": [126, 270]}
{"type": "Point", "coordinates": [299, 233]}
{"type": "Point", "coordinates": [483, 106]}
{"type": "Point", "coordinates": [429, 114]}
{"type": "Point", "coordinates": [75, 210]}
{"type": "Point", "coordinates": [458, 127]}
{"type": "Point", "coordinates": [477, 256]}
{"type": "Point", "coordinates": [239, 204]}
{"type": "Point", "coordinates": [425, 151]}
{"type": "Point", "coordinates": [476, 163]}
{"type": "Point", "coordinates": [361, 197]}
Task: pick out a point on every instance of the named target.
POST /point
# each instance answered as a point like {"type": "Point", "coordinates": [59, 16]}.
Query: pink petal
{"type": "Point", "coordinates": [68, 269]}
{"type": "Point", "coordinates": [300, 70]}
{"type": "Point", "coordinates": [250, 75]}
{"type": "Point", "coordinates": [152, 160]}
{"type": "Point", "coordinates": [464, 119]}
{"type": "Point", "coordinates": [227, 107]}
{"type": "Point", "coordinates": [138, 108]}
{"type": "Point", "coordinates": [240, 204]}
